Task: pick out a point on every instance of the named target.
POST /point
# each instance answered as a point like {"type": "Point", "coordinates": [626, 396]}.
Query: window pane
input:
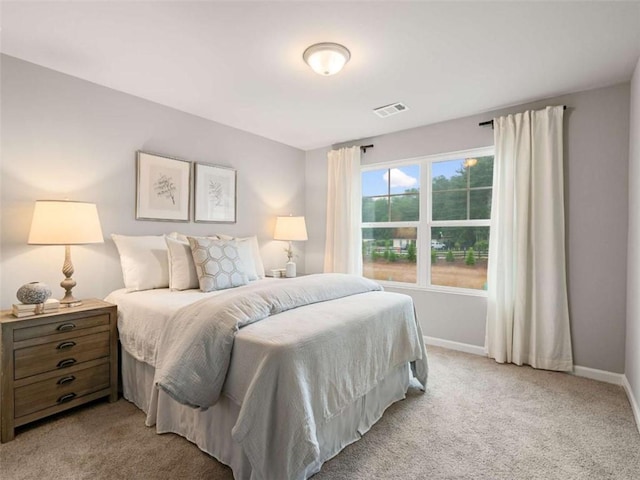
{"type": "Point", "coordinates": [405, 208]}
{"type": "Point", "coordinates": [374, 183]}
{"type": "Point", "coordinates": [480, 204]}
{"type": "Point", "coordinates": [375, 209]}
{"type": "Point", "coordinates": [390, 254]}
{"type": "Point", "coordinates": [459, 256]}
{"type": "Point", "coordinates": [449, 205]}
{"type": "Point", "coordinates": [481, 173]}
{"type": "Point", "coordinates": [448, 175]}
{"type": "Point", "coordinates": [404, 179]}
{"type": "Point", "coordinates": [398, 187]}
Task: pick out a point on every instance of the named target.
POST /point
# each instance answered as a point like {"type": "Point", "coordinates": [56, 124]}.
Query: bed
{"type": "Point", "coordinates": [302, 368]}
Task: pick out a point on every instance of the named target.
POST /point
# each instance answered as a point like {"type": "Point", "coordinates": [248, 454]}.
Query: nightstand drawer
{"type": "Point", "coordinates": [59, 390]}
{"type": "Point", "coordinates": [59, 327]}
{"type": "Point", "coordinates": [60, 354]}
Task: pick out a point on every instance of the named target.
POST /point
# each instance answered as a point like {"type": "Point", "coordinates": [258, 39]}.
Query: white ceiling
{"type": "Point", "coordinates": [240, 63]}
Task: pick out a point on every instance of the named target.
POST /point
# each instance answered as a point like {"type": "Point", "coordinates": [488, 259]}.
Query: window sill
{"type": "Point", "coordinates": [468, 292]}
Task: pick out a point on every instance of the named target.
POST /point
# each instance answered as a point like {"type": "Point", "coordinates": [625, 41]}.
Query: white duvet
{"type": "Point", "coordinates": [297, 368]}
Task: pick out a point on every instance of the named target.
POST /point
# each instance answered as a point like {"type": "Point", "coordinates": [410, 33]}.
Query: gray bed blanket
{"type": "Point", "coordinates": [194, 350]}
{"type": "Point", "coordinates": [338, 336]}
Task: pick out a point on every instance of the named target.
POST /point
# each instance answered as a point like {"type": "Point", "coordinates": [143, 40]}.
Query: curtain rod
{"type": "Point", "coordinates": [490, 122]}
{"type": "Point", "coordinates": [364, 148]}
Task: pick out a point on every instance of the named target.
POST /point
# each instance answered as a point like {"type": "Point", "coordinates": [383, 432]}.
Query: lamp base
{"type": "Point", "coordinates": [69, 301]}
{"type": "Point", "coordinates": [290, 270]}
{"type": "Point", "coordinates": [68, 283]}
{"type": "Point", "coordinates": [74, 303]}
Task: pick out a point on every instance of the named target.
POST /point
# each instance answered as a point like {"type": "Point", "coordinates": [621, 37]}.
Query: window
{"type": "Point", "coordinates": [390, 216]}
{"type": "Point", "coordinates": [426, 222]}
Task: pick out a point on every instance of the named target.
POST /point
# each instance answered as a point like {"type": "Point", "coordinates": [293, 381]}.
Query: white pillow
{"type": "Point", "coordinates": [143, 260]}
{"type": "Point", "coordinates": [248, 245]}
{"type": "Point", "coordinates": [245, 251]}
{"type": "Point", "coordinates": [182, 270]}
{"type": "Point", "coordinates": [218, 263]}
{"type": "Point", "coordinates": [178, 236]}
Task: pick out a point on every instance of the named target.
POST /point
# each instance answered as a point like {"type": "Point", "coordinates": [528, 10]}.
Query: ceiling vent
{"type": "Point", "coordinates": [388, 110]}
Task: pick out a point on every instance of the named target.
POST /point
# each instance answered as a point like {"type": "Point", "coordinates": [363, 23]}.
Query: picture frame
{"type": "Point", "coordinates": [163, 188]}
{"type": "Point", "coordinates": [215, 193]}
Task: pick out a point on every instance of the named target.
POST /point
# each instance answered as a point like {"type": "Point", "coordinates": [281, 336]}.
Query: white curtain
{"type": "Point", "coordinates": [527, 309]}
{"type": "Point", "coordinates": [343, 247]}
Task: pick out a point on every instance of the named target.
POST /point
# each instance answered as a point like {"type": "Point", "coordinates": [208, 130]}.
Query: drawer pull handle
{"type": "Point", "coordinates": [67, 398]}
{"type": "Point", "coordinates": [65, 345]}
{"type": "Point", "coordinates": [65, 380]}
{"type": "Point", "coordinates": [66, 326]}
{"type": "Point", "coordinates": [66, 363]}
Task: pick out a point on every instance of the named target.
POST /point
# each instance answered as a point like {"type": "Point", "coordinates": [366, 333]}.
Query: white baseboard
{"type": "Point", "coordinates": [586, 372]}
{"type": "Point", "coordinates": [600, 375]}
{"type": "Point", "coordinates": [632, 400]}
{"type": "Point", "coordinates": [451, 345]}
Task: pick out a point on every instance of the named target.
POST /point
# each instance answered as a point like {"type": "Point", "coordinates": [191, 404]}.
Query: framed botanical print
{"type": "Point", "coordinates": [215, 194]}
{"type": "Point", "coordinates": [163, 190]}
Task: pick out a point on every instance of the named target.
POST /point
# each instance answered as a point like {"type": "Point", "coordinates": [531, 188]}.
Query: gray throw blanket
{"type": "Point", "coordinates": [194, 351]}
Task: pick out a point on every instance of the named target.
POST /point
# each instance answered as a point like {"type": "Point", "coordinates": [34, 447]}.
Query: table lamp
{"type": "Point", "coordinates": [290, 229]}
{"type": "Point", "coordinates": [61, 222]}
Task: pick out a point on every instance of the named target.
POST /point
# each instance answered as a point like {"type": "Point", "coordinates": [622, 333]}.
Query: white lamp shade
{"type": "Point", "coordinates": [290, 229]}
{"type": "Point", "coordinates": [59, 222]}
{"type": "Point", "coordinates": [326, 58]}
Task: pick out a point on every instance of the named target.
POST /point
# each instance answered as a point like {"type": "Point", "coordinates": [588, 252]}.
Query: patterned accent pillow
{"type": "Point", "coordinates": [218, 263]}
{"type": "Point", "coordinates": [250, 253]}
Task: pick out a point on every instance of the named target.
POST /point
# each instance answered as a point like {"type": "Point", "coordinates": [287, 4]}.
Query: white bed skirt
{"type": "Point", "coordinates": [210, 430]}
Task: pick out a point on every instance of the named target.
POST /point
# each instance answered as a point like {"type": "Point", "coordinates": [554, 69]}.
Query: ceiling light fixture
{"type": "Point", "coordinates": [326, 58]}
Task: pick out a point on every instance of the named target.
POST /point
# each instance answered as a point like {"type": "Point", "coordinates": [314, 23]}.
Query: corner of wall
{"type": "Point", "coordinates": [632, 354]}
{"type": "Point", "coordinates": [632, 400]}
{"type": "Point", "coordinates": [315, 208]}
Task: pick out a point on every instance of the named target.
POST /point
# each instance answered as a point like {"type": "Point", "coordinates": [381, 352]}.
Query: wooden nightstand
{"type": "Point", "coordinates": [56, 361]}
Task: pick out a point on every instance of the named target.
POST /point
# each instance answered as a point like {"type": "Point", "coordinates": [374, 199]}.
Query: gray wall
{"type": "Point", "coordinates": [632, 366]}
{"type": "Point", "coordinates": [596, 165]}
{"type": "Point", "coordinates": [63, 137]}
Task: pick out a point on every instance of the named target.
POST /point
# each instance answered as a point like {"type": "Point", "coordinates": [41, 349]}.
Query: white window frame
{"type": "Point", "coordinates": [425, 222]}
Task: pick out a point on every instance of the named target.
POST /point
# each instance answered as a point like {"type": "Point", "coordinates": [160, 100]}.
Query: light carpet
{"type": "Point", "coordinates": [478, 420]}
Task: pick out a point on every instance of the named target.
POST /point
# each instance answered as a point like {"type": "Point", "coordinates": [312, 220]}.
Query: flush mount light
{"type": "Point", "coordinates": [326, 58]}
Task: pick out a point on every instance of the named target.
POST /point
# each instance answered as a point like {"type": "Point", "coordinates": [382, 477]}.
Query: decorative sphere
{"type": "Point", "coordinates": [33, 293]}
